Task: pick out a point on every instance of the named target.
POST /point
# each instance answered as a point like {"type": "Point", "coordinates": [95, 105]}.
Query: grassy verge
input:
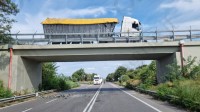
{"type": "Point", "coordinates": [186, 92]}
{"type": "Point", "coordinates": [86, 82]}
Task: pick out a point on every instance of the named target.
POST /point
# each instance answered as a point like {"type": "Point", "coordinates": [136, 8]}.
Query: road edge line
{"type": "Point", "coordinates": [138, 99]}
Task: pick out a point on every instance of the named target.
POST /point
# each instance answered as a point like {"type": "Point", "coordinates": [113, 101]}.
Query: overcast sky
{"type": "Point", "coordinates": [151, 13]}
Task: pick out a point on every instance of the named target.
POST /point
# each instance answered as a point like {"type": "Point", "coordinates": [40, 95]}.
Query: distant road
{"type": "Point", "coordinates": [94, 98]}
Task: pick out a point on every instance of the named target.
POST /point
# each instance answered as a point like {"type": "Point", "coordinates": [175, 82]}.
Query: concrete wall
{"type": "Point", "coordinates": [4, 66]}
{"type": "Point", "coordinates": [193, 51]}
{"type": "Point", "coordinates": [29, 74]}
{"type": "Point", "coordinates": [26, 73]}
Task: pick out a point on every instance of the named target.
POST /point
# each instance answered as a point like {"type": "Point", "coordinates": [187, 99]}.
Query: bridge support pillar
{"type": "Point", "coordinates": [162, 63]}
{"type": "Point", "coordinates": [26, 73]}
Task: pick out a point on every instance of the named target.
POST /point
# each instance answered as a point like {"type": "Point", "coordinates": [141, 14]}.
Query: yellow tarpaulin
{"type": "Point", "coordinates": [80, 21]}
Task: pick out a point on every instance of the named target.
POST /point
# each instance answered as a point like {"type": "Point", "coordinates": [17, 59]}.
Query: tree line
{"type": "Point", "coordinates": [52, 80]}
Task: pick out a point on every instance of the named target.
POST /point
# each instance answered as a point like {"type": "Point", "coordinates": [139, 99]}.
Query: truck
{"type": "Point", "coordinates": [77, 29]}
{"type": "Point", "coordinates": [97, 80]}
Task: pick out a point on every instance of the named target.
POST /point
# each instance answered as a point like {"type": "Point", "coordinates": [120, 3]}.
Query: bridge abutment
{"type": "Point", "coordinates": [26, 73]}
{"type": "Point", "coordinates": [162, 64]}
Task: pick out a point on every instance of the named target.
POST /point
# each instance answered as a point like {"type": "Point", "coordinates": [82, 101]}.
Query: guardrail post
{"type": "Point", "coordinates": [173, 33]}
{"type": "Point", "coordinates": [156, 34]}
{"type": "Point", "coordinates": [128, 39]}
{"type": "Point", "coordinates": [14, 97]}
{"type": "Point", "coordinates": [33, 39]}
{"type": "Point", "coordinates": [190, 33]}
{"type": "Point", "coordinates": [114, 39]}
{"type": "Point", "coordinates": [82, 39]}
{"type": "Point", "coordinates": [49, 39]}
{"type": "Point", "coordinates": [16, 37]}
{"type": "Point", "coordinates": [98, 38]}
{"type": "Point", "coordinates": [65, 39]}
{"type": "Point", "coordinates": [141, 36]}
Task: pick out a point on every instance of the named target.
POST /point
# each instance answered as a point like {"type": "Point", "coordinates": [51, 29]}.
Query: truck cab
{"type": "Point", "coordinates": [97, 80]}
{"type": "Point", "coordinates": [130, 27]}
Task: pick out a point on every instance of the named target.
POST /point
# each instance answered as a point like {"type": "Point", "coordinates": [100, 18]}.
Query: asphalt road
{"type": "Point", "coordinates": [94, 98]}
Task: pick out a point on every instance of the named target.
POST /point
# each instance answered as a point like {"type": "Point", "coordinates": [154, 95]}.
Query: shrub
{"type": "Point", "coordinates": [124, 78]}
{"type": "Point", "coordinates": [131, 83]}
{"type": "Point", "coordinates": [4, 92]}
{"type": "Point", "coordinates": [72, 84]}
{"type": "Point", "coordinates": [188, 92]}
{"type": "Point", "coordinates": [164, 89]}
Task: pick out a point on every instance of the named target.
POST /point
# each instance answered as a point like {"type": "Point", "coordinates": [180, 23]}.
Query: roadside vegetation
{"type": "Point", "coordinates": [4, 92]}
{"type": "Point", "coordinates": [82, 77]}
{"type": "Point", "coordinates": [51, 80]}
{"type": "Point", "coordinates": [183, 85]}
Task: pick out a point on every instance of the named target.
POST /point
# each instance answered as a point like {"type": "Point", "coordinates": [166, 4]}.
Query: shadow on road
{"type": "Point", "coordinates": [95, 89]}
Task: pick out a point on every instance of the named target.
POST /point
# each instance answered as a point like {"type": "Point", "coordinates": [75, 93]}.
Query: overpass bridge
{"type": "Point", "coordinates": [27, 59]}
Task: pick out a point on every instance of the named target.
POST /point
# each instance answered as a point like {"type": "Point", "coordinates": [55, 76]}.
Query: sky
{"type": "Point", "coordinates": [151, 13]}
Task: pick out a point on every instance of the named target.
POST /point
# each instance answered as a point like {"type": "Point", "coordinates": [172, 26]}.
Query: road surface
{"type": "Point", "coordinates": [107, 97]}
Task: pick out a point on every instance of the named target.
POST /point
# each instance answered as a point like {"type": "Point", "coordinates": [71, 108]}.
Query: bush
{"type": "Point", "coordinates": [4, 93]}
{"type": "Point", "coordinates": [124, 78]}
{"type": "Point", "coordinates": [132, 83]}
{"type": "Point", "coordinates": [72, 84]}
{"type": "Point", "coordinates": [63, 85]}
{"type": "Point", "coordinates": [188, 92]}
{"type": "Point", "coordinates": [164, 89]}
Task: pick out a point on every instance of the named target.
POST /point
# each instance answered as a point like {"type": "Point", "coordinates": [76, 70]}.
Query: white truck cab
{"type": "Point", "coordinates": [97, 80]}
{"type": "Point", "coordinates": [130, 25]}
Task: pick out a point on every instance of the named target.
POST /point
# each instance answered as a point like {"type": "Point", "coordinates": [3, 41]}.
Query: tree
{"type": "Point", "coordinates": [119, 72]}
{"type": "Point", "coordinates": [49, 78]}
{"type": "Point", "coordinates": [80, 75]}
{"type": "Point", "coordinates": [89, 77]}
{"type": "Point", "coordinates": [110, 77]}
{"type": "Point", "coordinates": [7, 8]}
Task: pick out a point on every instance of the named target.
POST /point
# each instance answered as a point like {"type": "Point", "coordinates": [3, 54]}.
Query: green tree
{"type": "Point", "coordinates": [79, 75]}
{"type": "Point", "coordinates": [110, 77]}
{"type": "Point", "coordinates": [7, 9]}
{"type": "Point", "coordinates": [124, 78]}
{"type": "Point", "coordinates": [89, 77]}
{"type": "Point", "coordinates": [49, 78]}
{"type": "Point", "coordinates": [119, 72]}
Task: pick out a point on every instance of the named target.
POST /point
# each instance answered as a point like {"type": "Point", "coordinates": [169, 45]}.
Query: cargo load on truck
{"type": "Point", "coordinates": [78, 26]}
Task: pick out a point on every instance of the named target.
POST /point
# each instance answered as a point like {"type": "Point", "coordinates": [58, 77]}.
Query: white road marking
{"type": "Point", "coordinates": [138, 99]}
{"type": "Point", "coordinates": [27, 110]}
{"type": "Point", "coordinates": [92, 100]}
{"type": "Point", "coordinates": [51, 101]}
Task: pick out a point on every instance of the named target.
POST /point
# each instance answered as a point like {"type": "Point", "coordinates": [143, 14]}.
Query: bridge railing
{"type": "Point", "coordinates": [108, 37]}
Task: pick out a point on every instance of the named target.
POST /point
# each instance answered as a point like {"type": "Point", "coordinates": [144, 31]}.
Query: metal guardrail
{"type": "Point", "coordinates": [16, 98]}
{"type": "Point", "coordinates": [108, 37]}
